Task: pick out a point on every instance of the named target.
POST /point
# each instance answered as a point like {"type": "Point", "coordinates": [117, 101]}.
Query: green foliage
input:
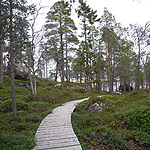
{"type": "Point", "coordinates": [5, 93]}
{"type": "Point", "coordinates": [39, 106]}
{"type": "Point", "coordinates": [123, 123]}
{"type": "Point", "coordinates": [6, 106]}
{"type": "Point", "coordinates": [19, 133]}
{"type": "Point", "coordinates": [142, 138]}
{"type": "Point", "coordinates": [16, 142]}
{"type": "Point", "coordinates": [137, 118]}
{"type": "Point", "coordinates": [25, 98]}
{"type": "Point", "coordinates": [34, 118]}
{"type": "Point", "coordinates": [22, 91]}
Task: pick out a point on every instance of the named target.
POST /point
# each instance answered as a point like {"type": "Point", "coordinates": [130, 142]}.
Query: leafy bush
{"type": "Point", "coordinates": [6, 106]}
{"type": "Point", "coordinates": [5, 93]}
{"type": "Point", "coordinates": [91, 131]}
{"type": "Point", "coordinates": [111, 140]}
{"type": "Point", "coordinates": [134, 96]}
{"type": "Point", "coordinates": [142, 138]}
{"type": "Point", "coordinates": [39, 106]}
{"type": "Point", "coordinates": [19, 126]}
{"type": "Point", "coordinates": [34, 118]}
{"type": "Point", "coordinates": [22, 91]}
{"type": "Point", "coordinates": [137, 118]}
{"type": "Point", "coordinates": [15, 142]}
{"type": "Point", "coordinates": [25, 98]}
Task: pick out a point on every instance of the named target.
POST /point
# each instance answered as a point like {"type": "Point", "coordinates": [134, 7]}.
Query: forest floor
{"type": "Point", "coordinates": [123, 124]}
{"type": "Point", "coordinates": [19, 134]}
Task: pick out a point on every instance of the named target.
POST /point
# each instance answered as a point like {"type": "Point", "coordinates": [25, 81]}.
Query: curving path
{"type": "Point", "coordinates": [55, 131]}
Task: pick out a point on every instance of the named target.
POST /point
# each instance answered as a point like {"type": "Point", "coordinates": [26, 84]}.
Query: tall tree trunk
{"type": "Point", "coordinates": [35, 92]}
{"type": "Point", "coordinates": [1, 58]}
{"type": "Point", "coordinates": [66, 60]}
{"type": "Point", "coordinates": [1, 61]}
{"type": "Point", "coordinates": [110, 72]}
{"type": "Point", "coordinates": [87, 63]}
{"type": "Point", "coordinates": [98, 86]}
{"type": "Point", "coordinates": [46, 66]}
{"type": "Point", "coordinates": [12, 63]}
{"type": "Point", "coordinates": [91, 98]}
{"type": "Point", "coordinates": [138, 69]}
{"type": "Point", "coordinates": [56, 74]}
{"type": "Point", "coordinates": [30, 73]}
{"type": "Point", "coordinates": [62, 56]}
{"type": "Point", "coordinates": [109, 61]}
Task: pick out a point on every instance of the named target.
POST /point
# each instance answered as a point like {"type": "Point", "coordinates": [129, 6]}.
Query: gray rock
{"type": "Point", "coordinates": [21, 72]}
{"type": "Point", "coordinates": [58, 85]}
{"type": "Point", "coordinates": [96, 107]}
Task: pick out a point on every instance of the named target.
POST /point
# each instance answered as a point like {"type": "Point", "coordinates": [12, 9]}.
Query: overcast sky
{"type": "Point", "coordinates": [125, 11]}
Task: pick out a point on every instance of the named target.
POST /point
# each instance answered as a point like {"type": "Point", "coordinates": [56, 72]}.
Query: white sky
{"type": "Point", "coordinates": [125, 11]}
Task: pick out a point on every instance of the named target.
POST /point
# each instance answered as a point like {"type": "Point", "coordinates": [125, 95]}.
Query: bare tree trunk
{"type": "Point", "coordinates": [62, 57]}
{"type": "Point", "coordinates": [35, 92]}
{"type": "Point", "coordinates": [12, 63]}
{"type": "Point", "coordinates": [30, 73]}
{"type": "Point", "coordinates": [46, 62]}
{"type": "Point", "coordinates": [91, 100]}
{"type": "Point", "coordinates": [110, 72]}
{"type": "Point", "coordinates": [87, 63]}
{"type": "Point", "coordinates": [66, 60]}
{"type": "Point", "coordinates": [146, 82]}
{"type": "Point", "coordinates": [110, 68]}
{"type": "Point", "coordinates": [80, 74]}
{"type": "Point", "coordinates": [56, 71]}
{"type": "Point", "coordinates": [1, 61]}
{"type": "Point", "coordinates": [138, 71]}
{"type": "Point", "coordinates": [1, 58]}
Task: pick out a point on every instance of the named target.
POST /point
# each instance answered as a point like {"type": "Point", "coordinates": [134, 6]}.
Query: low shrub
{"type": "Point", "coordinates": [16, 142]}
{"type": "Point", "coordinates": [21, 91]}
{"type": "Point", "coordinates": [34, 118]}
{"type": "Point", "coordinates": [141, 138]}
{"type": "Point", "coordinates": [110, 139]}
{"type": "Point", "coordinates": [39, 106]}
{"type": "Point", "coordinates": [6, 106]}
{"type": "Point", "coordinates": [25, 98]}
{"type": "Point", "coordinates": [137, 118]}
{"type": "Point", "coordinates": [5, 93]}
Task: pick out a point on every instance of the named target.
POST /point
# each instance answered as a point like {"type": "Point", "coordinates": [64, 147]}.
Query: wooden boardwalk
{"type": "Point", "coordinates": [55, 131]}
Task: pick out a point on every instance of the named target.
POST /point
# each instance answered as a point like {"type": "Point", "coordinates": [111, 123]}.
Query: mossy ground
{"type": "Point", "coordinates": [123, 124]}
{"type": "Point", "coordinates": [19, 134]}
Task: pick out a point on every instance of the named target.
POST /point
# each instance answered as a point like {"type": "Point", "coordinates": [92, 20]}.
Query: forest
{"type": "Point", "coordinates": [100, 56]}
{"type": "Point", "coordinates": [103, 56]}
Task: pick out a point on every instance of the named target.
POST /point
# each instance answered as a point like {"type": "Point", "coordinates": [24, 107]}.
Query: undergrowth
{"type": "Point", "coordinates": [19, 134]}
{"type": "Point", "coordinates": [122, 125]}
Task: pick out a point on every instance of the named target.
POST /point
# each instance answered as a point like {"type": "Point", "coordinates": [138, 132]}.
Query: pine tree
{"type": "Point", "coordinates": [60, 24]}
{"type": "Point", "coordinates": [111, 35]}
{"type": "Point", "coordinates": [88, 17]}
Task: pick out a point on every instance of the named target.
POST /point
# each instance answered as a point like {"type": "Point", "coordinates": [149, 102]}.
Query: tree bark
{"type": "Point", "coordinates": [12, 63]}
{"type": "Point", "coordinates": [138, 69]}
{"type": "Point", "coordinates": [1, 61]}
{"type": "Point", "coordinates": [56, 74]}
{"type": "Point", "coordinates": [1, 58]}
{"type": "Point", "coordinates": [110, 68]}
{"type": "Point", "coordinates": [80, 73]}
{"type": "Point", "coordinates": [62, 56]}
{"type": "Point", "coordinates": [66, 60]}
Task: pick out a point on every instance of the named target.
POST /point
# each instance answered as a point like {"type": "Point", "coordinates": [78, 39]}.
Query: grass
{"type": "Point", "coordinates": [123, 124]}
{"type": "Point", "coordinates": [19, 134]}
